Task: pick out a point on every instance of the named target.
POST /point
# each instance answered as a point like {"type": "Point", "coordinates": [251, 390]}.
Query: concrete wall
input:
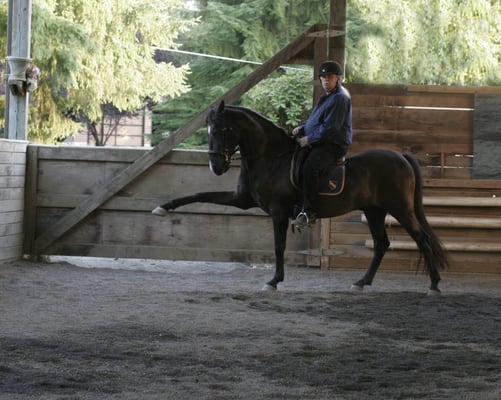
{"type": "Point", "coordinates": [12, 181]}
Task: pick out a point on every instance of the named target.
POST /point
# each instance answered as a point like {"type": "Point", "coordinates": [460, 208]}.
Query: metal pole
{"type": "Point", "coordinates": [19, 38]}
{"type": "Point", "coordinates": [7, 91]}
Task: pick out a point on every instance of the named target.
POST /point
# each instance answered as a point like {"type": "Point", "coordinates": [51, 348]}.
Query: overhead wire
{"type": "Point", "coordinates": [192, 53]}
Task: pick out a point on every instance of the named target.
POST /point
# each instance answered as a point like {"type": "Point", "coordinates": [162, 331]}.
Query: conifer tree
{"type": "Point", "coordinates": [94, 53]}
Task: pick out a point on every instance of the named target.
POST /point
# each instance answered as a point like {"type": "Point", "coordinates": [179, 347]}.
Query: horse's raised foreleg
{"type": "Point", "coordinates": [280, 226]}
{"type": "Point", "coordinates": [227, 198]}
{"type": "Point", "coordinates": [375, 218]}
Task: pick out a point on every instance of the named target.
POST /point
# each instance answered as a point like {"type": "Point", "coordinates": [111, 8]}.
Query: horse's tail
{"type": "Point", "coordinates": [432, 250]}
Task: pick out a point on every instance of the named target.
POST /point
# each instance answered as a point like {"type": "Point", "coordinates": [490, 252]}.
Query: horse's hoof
{"type": "Point", "coordinates": [356, 288]}
{"type": "Point", "coordinates": [161, 212]}
{"type": "Point", "coordinates": [432, 292]}
{"type": "Point", "coordinates": [268, 288]}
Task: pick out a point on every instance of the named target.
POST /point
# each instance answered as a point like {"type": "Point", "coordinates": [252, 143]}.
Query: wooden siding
{"type": "Point", "coordinates": [86, 201]}
{"type": "Point", "coordinates": [435, 125]}
{"type": "Point", "coordinates": [12, 177]}
{"type": "Point", "coordinates": [124, 227]}
{"type": "Point", "coordinates": [467, 218]}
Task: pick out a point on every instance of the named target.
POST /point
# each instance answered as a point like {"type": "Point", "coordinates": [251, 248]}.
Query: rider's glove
{"type": "Point", "coordinates": [303, 142]}
{"type": "Point", "coordinates": [298, 131]}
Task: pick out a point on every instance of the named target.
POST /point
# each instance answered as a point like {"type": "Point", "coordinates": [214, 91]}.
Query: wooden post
{"type": "Point", "coordinates": [18, 46]}
{"type": "Point", "coordinates": [30, 200]}
{"type": "Point", "coordinates": [335, 50]}
{"type": "Point", "coordinates": [315, 240]}
{"type": "Point", "coordinates": [319, 56]}
{"type": "Point", "coordinates": [337, 28]}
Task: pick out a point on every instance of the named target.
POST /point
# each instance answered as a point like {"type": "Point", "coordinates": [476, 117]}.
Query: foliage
{"type": "Point", "coordinates": [95, 52]}
{"type": "Point", "coordinates": [2, 112]}
{"type": "Point", "coordinates": [175, 112]}
{"type": "Point", "coordinates": [442, 42]}
{"type": "Point", "coordinates": [168, 117]}
{"type": "Point", "coordinates": [242, 29]}
{"type": "Point", "coordinates": [283, 98]}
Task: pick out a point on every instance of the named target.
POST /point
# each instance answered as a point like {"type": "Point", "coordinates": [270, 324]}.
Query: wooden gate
{"type": "Point", "coordinates": [436, 125]}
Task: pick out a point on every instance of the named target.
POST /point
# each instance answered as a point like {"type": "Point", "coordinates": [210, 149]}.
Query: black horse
{"type": "Point", "coordinates": [377, 181]}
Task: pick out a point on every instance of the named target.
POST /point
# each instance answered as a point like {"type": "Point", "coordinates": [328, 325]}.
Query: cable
{"type": "Point", "coordinates": [192, 53]}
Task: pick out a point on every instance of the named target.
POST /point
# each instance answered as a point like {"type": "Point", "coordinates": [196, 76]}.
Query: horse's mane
{"type": "Point", "coordinates": [257, 115]}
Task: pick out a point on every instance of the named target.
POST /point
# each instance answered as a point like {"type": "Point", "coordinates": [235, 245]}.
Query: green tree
{"type": "Point", "coordinates": [286, 98]}
{"type": "Point", "coordinates": [443, 42]}
{"type": "Point", "coordinates": [94, 53]}
{"type": "Point", "coordinates": [242, 29]}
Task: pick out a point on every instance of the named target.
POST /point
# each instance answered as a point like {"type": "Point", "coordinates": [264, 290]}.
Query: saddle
{"type": "Point", "coordinates": [331, 182]}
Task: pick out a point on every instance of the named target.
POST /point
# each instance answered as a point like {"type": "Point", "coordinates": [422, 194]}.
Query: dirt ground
{"type": "Point", "coordinates": [143, 329]}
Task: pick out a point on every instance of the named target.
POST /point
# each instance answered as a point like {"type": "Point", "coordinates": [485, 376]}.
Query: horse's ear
{"type": "Point", "coordinates": [220, 108]}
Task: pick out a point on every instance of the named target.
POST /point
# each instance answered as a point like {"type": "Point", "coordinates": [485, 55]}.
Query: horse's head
{"type": "Point", "coordinates": [223, 139]}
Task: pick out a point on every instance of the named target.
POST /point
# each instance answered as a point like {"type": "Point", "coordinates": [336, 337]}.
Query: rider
{"type": "Point", "coordinates": [327, 133]}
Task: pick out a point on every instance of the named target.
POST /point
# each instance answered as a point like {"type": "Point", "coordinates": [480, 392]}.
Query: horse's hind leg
{"type": "Point", "coordinates": [424, 238]}
{"type": "Point", "coordinates": [375, 218]}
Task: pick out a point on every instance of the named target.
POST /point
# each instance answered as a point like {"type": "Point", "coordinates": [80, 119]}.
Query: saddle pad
{"type": "Point", "coordinates": [332, 180]}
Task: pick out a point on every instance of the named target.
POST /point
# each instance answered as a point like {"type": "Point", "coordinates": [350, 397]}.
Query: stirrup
{"type": "Point", "coordinates": [302, 220]}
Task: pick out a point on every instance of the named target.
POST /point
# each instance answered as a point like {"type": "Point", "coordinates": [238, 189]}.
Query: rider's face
{"type": "Point", "coordinates": [329, 82]}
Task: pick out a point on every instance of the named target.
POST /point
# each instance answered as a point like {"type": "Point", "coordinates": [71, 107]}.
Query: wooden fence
{"type": "Point", "coordinates": [435, 124]}
{"type": "Point", "coordinates": [12, 177]}
{"type": "Point", "coordinates": [60, 178]}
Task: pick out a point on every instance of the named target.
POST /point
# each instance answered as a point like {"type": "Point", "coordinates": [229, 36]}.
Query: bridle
{"type": "Point", "coordinates": [226, 153]}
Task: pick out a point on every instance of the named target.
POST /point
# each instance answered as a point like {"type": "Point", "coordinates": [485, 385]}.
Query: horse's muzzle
{"type": "Point", "coordinates": [218, 164]}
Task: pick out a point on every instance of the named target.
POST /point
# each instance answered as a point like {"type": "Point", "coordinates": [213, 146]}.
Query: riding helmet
{"type": "Point", "coordinates": [330, 67]}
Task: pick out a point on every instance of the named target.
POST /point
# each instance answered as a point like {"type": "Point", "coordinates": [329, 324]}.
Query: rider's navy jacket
{"type": "Point", "coordinates": [330, 121]}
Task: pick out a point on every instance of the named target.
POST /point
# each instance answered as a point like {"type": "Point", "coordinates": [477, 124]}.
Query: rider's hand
{"type": "Point", "coordinates": [297, 131]}
{"type": "Point", "coordinates": [303, 142]}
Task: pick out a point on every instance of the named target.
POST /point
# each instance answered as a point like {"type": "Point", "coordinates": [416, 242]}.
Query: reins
{"type": "Point", "coordinates": [228, 154]}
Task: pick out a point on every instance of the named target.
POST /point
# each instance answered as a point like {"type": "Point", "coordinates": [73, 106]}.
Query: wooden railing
{"type": "Point", "coordinates": [435, 124]}
{"type": "Point", "coordinates": [466, 215]}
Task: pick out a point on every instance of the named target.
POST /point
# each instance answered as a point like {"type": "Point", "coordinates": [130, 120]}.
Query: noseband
{"type": "Point", "coordinates": [226, 153]}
